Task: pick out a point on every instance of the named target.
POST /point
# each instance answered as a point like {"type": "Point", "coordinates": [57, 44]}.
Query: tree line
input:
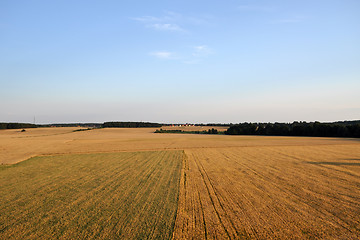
{"type": "Point", "coordinates": [313, 129]}
{"type": "Point", "coordinates": [89, 125]}
{"type": "Point", "coordinates": [214, 124]}
{"type": "Point", "coordinates": [16, 125]}
{"type": "Point", "coordinates": [131, 124]}
{"type": "Point", "coordinates": [209, 131]}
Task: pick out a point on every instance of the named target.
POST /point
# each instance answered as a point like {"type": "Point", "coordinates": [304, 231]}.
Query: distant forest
{"type": "Point", "coordinates": [87, 125]}
{"type": "Point", "coordinates": [131, 124]}
{"type": "Point", "coordinates": [214, 124]}
{"type": "Point", "coordinates": [313, 129]}
{"type": "Point", "coordinates": [93, 125]}
{"type": "Point", "coordinates": [209, 131]}
{"type": "Point", "coordinates": [16, 125]}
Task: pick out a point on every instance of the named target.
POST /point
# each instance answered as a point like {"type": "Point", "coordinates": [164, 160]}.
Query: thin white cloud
{"type": "Point", "coordinates": [166, 27]}
{"type": "Point", "coordinates": [201, 51]}
{"type": "Point", "coordinates": [163, 54]}
{"type": "Point", "coordinates": [170, 21]}
{"type": "Point", "coordinates": [195, 56]}
{"type": "Point", "coordinates": [200, 48]}
{"type": "Point", "coordinates": [147, 19]}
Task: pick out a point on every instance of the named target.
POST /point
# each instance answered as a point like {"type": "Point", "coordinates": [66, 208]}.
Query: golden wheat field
{"type": "Point", "coordinates": [16, 146]}
{"type": "Point", "coordinates": [133, 183]}
{"type": "Point", "coordinates": [107, 196]}
{"type": "Point", "coordinates": [276, 192]}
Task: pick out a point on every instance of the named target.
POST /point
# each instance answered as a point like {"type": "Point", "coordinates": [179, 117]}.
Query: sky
{"type": "Point", "coordinates": [179, 61]}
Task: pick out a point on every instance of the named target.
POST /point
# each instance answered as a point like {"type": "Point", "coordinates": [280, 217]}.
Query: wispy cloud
{"type": "Point", "coordinates": [170, 21]}
{"type": "Point", "coordinates": [147, 19]}
{"type": "Point", "coordinates": [195, 55]}
{"type": "Point", "coordinates": [164, 23]}
{"type": "Point", "coordinates": [163, 54]}
{"type": "Point", "coordinates": [201, 51]}
{"type": "Point", "coordinates": [166, 27]}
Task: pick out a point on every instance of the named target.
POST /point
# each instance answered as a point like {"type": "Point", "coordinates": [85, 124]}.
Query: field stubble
{"type": "Point", "coordinates": [16, 146]}
{"type": "Point", "coordinates": [270, 193]}
{"type": "Point", "coordinates": [106, 196]}
{"type": "Point", "coordinates": [231, 187]}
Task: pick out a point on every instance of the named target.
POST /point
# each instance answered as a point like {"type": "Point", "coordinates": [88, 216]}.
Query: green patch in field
{"type": "Point", "coordinates": [112, 196]}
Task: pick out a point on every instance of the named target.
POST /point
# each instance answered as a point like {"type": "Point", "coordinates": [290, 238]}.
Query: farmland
{"type": "Point", "coordinates": [91, 184]}
{"type": "Point", "coordinates": [16, 146]}
{"type": "Point", "coordinates": [112, 195]}
{"type": "Point", "coordinates": [270, 192]}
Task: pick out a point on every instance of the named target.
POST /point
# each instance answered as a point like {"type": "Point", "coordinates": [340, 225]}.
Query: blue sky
{"type": "Point", "coordinates": [179, 61]}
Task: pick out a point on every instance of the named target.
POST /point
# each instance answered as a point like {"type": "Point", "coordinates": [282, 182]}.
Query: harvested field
{"type": "Point", "coordinates": [270, 193]}
{"type": "Point", "coordinates": [106, 196]}
{"type": "Point", "coordinates": [16, 146]}
{"type": "Point", "coordinates": [231, 187]}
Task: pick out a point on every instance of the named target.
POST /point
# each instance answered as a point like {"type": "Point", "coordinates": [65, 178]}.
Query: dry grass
{"type": "Point", "coordinates": [91, 196]}
{"type": "Point", "coordinates": [281, 192]}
